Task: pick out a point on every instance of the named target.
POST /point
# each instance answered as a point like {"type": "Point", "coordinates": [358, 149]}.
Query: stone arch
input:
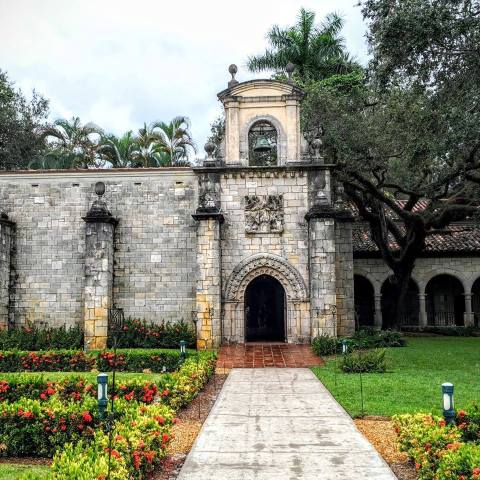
{"type": "Point", "coordinates": [265, 264]}
{"type": "Point", "coordinates": [281, 137]}
{"type": "Point", "coordinates": [445, 296]}
{"type": "Point", "coordinates": [297, 305]}
{"type": "Point", "coordinates": [430, 274]}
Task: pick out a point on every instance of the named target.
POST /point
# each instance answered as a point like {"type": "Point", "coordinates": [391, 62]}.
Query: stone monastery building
{"type": "Point", "coordinates": [256, 244]}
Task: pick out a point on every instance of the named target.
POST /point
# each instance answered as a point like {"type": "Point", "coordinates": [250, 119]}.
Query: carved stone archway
{"type": "Point", "coordinates": [297, 308]}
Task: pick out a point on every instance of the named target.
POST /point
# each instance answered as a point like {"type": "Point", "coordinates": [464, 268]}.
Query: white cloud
{"type": "Point", "coordinates": [120, 63]}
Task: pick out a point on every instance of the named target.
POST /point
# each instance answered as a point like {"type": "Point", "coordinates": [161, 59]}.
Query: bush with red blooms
{"type": "Point", "coordinates": [441, 451]}
{"type": "Point", "coordinates": [78, 361]}
{"type": "Point", "coordinates": [33, 428]}
{"type": "Point", "coordinates": [138, 333]}
{"type": "Point", "coordinates": [138, 360]}
{"type": "Point", "coordinates": [46, 361]}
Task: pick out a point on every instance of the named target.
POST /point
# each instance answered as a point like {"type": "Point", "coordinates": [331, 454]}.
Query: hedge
{"type": "Point", "coordinates": [32, 338]}
{"type": "Point", "coordinates": [442, 451]}
{"type": "Point", "coordinates": [78, 361]}
{"type": "Point", "coordinates": [142, 432]}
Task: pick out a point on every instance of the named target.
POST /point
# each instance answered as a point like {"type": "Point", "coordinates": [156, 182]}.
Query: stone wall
{"type": "Point", "coordinates": [155, 242]}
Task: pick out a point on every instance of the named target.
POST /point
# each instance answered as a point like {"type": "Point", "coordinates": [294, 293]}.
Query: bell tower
{"type": "Point", "coordinates": [274, 255]}
{"type": "Point", "coordinates": [261, 114]}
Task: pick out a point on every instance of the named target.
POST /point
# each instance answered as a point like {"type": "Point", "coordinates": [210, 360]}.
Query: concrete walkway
{"type": "Point", "coordinates": [280, 424]}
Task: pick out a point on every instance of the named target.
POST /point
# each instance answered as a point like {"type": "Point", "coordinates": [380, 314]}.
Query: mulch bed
{"type": "Point", "coordinates": [26, 460]}
{"type": "Point", "coordinates": [191, 420]}
{"type": "Point", "coordinates": [379, 431]}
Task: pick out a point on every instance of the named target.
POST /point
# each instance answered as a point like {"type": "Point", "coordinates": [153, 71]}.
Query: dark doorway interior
{"type": "Point", "coordinates": [265, 310]}
{"type": "Point", "coordinates": [364, 302]}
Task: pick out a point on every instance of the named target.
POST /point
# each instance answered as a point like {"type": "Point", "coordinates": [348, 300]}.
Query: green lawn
{"type": "Point", "coordinates": [10, 471]}
{"type": "Point", "coordinates": [413, 378]}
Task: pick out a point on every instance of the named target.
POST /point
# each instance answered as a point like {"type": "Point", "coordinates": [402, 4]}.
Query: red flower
{"type": "Point", "coordinates": [149, 456]}
{"type": "Point", "coordinates": [129, 396]}
{"type": "Point", "coordinates": [63, 428]}
{"type": "Point", "coordinates": [28, 414]}
{"type": "Point", "coordinates": [461, 413]}
{"type": "Point", "coordinates": [43, 395]}
{"type": "Point", "coordinates": [87, 418]}
{"type": "Point", "coordinates": [442, 423]}
{"type": "Point", "coordinates": [81, 426]}
{"type": "Point", "coordinates": [165, 437]}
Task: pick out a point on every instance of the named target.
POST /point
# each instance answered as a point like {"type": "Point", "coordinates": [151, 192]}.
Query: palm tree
{"type": "Point", "coordinates": [148, 152]}
{"type": "Point", "coordinates": [53, 160]}
{"type": "Point", "coordinates": [175, 141]}
{"type": "Point", "coordinates": [317, 52]}
{"type": "Point", "coordinates": [70, 137]}
{"type": "Point", "coordinates": [121, 152]}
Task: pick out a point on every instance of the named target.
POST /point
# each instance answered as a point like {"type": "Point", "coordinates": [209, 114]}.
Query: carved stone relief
{"type": "Point", "coordinates": [264, 214]}
{"type": "Point", "coordinates": [209, 192]}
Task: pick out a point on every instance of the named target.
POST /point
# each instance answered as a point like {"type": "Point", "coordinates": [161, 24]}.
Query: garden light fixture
{"type": "Point", "coordinates": [344, 347]}
{"type": "Point", "coordinates": [183, 349]}
{"type": "Point", "coordinates": [102, 380]}
{"type": "Point", "coordinates": [448, 405]}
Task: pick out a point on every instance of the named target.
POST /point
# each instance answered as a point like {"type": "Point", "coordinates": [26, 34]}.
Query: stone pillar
{"type": "Point", "coordinates": [422, 317]}
{"type": "Point", "coordinates": [292, 130]}
{"type": "Point", "coordinates": [6, 231]}
{"type": "Point", "coordinates": [232, 133]}
{"type": "Point", "coordinates": [323, 294]}
{"type": "Point", "coordinates": [208, 285]}
{"type": "Point", "coordinates": [377, 314]}
{"type": "Point", "coordinates": [468, 318]}
{"type": "Point", "coordinates": [344, 275]}
{"type": "Point", "coordinates": [99, 248]}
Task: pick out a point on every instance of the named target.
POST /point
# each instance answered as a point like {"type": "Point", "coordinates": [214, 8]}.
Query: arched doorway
{"type": "Point", "coordinates": [476, 302]}
{"type": "Point", "coordinates": [410, 310]}
{"type": "Point", "coordinates": [445, 301]}
{"type": "Point", "coordinates": [364, 302]}
{"type": "Point", "coordinates": [264, 310]}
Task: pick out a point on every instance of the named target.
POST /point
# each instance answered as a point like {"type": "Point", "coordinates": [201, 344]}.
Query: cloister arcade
{"type": "Point", "coordinates": [441, 299]}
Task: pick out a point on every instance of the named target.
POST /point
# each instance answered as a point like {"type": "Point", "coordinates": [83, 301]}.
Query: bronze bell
{"type": "Point", "coordinates": [262, 145]}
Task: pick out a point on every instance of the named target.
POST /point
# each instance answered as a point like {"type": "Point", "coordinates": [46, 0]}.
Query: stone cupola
{"type": "Point", "coordinates": [262, 122]}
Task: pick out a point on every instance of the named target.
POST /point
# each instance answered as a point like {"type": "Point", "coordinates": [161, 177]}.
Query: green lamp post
{"type": "Point", "coordinates": [183, 350]}
{"type": "Point", "coordinates": [102, 381]}
{"type": "Point", "coordinates": [448, 404]}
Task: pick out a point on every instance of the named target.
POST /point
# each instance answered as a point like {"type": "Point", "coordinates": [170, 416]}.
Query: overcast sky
{"type": "Point", "coordinates": [119, 63]}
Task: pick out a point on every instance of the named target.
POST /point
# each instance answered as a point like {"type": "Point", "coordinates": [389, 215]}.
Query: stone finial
{"type": "Point", "coordinates": [232, 70]}
{"type": "Point", "coordinates": [209, 148]}
{"type": "Point", "coordinates": [290, 69]}
{"type": "Point", "coordinates": [99, 211]}
{"type": "Point", "coordinates": [210, 161]}
{"type": "Point", "coordinates": [316, 145]}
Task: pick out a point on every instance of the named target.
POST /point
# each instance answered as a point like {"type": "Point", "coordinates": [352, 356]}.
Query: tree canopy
{"type": "Point", "coordinates": [405, 135]}
{"type": "Point", "coordinates": [21, 124]}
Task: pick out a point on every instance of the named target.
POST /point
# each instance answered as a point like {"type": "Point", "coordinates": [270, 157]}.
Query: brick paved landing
{"type": "Point", "coordinates": [259, 355]}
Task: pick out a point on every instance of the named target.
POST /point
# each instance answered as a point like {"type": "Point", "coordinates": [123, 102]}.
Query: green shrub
{"type": "Point", "coordinates": [364, 361]}
{"type": "Point", "coordinates": [446, 331]}
{"type": "Point", "coordinates": [32, 338]}
{"type": "Point", "coordinates": [324, 345]}
{"type": "Point", "coordinates": [370, 338]}
{"type": "Point", "coordinates": [460, 460]}
{"type": "Point", "coordinates": [138, 333]}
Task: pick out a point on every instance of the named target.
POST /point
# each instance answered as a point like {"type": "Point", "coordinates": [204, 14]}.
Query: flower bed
{"type": "Point", "coordinates": [79, 361]}
{"type": "Point", "coordinates": [442, 451]}
{"type": "Point", "coordinates": [138, 333]}
{"type": "Point", "coordinates": [65, 420]}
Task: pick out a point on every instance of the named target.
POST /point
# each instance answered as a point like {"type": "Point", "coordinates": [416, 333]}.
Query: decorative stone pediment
{"type": "Point", "coordinates": [264, 214]}
{"type": "Point", "coordinates": [265, 264]}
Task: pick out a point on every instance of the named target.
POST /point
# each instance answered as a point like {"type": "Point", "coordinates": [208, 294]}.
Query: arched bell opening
{"type": "Point", "coordinates": [262, 144]}
{"type": "Point", "coordinates": [265, 310]}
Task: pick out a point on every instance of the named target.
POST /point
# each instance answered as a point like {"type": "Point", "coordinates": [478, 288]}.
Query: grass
{"type": "Point", "coordinates": [413, 379]}
{"type": "Point", "coordinates": [10, 471]}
